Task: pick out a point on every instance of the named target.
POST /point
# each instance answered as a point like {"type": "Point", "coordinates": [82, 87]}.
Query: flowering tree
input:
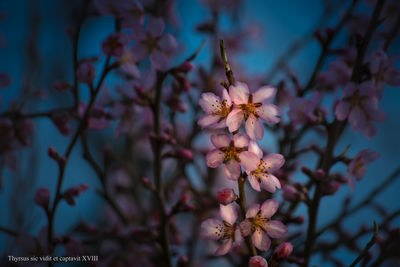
{"type": "Point", "coordinates": [179, 148]}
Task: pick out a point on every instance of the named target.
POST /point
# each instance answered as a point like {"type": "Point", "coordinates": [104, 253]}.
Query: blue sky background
{"type": "Point", "coordinates": [282, 22]}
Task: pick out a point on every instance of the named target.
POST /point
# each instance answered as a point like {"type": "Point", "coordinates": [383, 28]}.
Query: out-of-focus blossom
{"type": "Point", "coordinates": [360, 105]}
{"type": "Point", "coordinates": [232, 153]}
{"type": "Point", "coordinates": [97, 119]}
{"type": "Point", "coordinates": [225, 230]}
{"type": "Point", "coordinates": [42, 197]}
{"type": "Point", "coordinates": [86, 72]}
{"type": "Point", "coordinates": [290, 193]}
{"type": "Point", "coordinates": [62, 121]}
{"type": "Point", "coordinates": [262, 173]}
{"type": "Point", "coordinates": [356, 167]}
{"type": "Point", "coordinates": [302, 110]}
{"type": "Point", "coordinates": [73, 192]}
{"type": "Point", "coordinates": [61, 86]}
{"type": "Point", "coordinates": [217, 110]}
{"type": "Point", "coordinates": [383, 70]}
{"type": "Point", "coordinates": [250, 107]}
{"type": "Point", "coordinates": [225, 196]}
{"type": "Point", "coordinates": [128, 62]}
{"type": "Point", "coordinates": [258, 261]}
{"type": "Point", "coordinates": [151, 41]}
{"type": "Point", "coordinates": [258, 223]}
{"type": "Point", "coordinates": [114, 44]}
{"type": "Point", "coordinates": [284, 250]}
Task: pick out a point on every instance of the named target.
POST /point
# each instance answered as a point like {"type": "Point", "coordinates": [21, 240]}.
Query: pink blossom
{"type": "Point", "coordinates": [86, 72]}
{"type": "Point", "coordinates": [62, 121]}
{"type": "Point", "coordinates": [262, 173]}
{"type": "Point", "coordinates": [114, 44]}
{"type": "Point", "coordinates": [258, 223]}
{"type": "Point", "coordinates": [357, 165]}
{"type": "Point", "coordinates": [258, 261]}
{"type": "Point", "coordinates": [284, 250]}
{"type": "Point", "coordinates": [383, 70]}
{"type": "Point", "coordinates": [217, 110]}
{"type": "Point", "coordinates": [250, 107]}
{"type": "Point", "coordinates": [73, 192]}
{"type": "Point", "coordinates": [97, 119]}
{"type": "Point", "coordinates": [151, 41]}
{"type": "Point", "coordinates": [225, 230]}
{"type": "Point", "coordinates": [302, 110]}
{"type": "Point", "coordinates": [360, 105]}
{"type": "Point", "coordinates": [226, 196]}
{"type": "Point", "coordinates": [232, 153]}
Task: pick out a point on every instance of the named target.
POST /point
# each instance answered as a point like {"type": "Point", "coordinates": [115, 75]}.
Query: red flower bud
{"type": "Point", "coordinates": [258, 261]}
{"type": "Point", "coordinates": [284, 250]}
{"type": "Point", "coordinates": [225, 196]}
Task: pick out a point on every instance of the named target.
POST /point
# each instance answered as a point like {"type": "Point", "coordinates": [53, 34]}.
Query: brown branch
{"type": "Point", "coordinates": [367, 247]}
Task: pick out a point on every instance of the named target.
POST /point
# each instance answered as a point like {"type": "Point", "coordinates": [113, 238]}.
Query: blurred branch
{"type": "Point", "coordinates": [367, 247]}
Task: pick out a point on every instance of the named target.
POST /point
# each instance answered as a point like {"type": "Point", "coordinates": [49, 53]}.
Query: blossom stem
{"type": "Point", "coordinates": [367, 247]}
{"type": "Point", "coordinates": [242, 178]}
{"type": "Point", "coordinates": [157, 167]}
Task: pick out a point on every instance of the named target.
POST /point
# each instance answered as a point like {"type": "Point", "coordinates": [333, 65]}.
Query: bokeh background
{"type": "Point", "coordinates": [39, 51]}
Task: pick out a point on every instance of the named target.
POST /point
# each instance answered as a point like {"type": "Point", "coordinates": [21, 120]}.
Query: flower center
{"type": "Point", "coordinates": [259, 222]}
{"type": "Point", "coordinates": [151, 43]}
{"type": "Point", "coordinates": [220, 108]}
{"type": "Point", "coordinates": [359, 165]}
{"type": "Point", "coordinates": [263, 168]}
{"type": "Point", "coordinates": [231, 152]}
{"type": "Point", "coordinates": [224, 230]}
{"type": "Point", "coordinates": [250, 107]}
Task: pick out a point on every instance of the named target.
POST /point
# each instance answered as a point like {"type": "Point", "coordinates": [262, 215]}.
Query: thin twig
{"type": "Point", "coordinates": [367, 247]}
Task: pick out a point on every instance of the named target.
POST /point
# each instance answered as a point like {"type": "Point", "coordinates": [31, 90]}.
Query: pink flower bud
{"type": "Point", "coordinates": [61, 86]}
{"type": "Point", "coordinates": [182, 261]}
{"type": "Point", "coordinates": [331, 188]}
{"type": "Point", "coordinates": [320, 174]}
{"type": "Point", "coordinates": [185, 67]}
{"type": "Point", "coordinates": [284, 250]}
{"type": "Point", "coordinates": [258, 261]}
{"type": "Point", "coordinates": [53, 153]}
{"type": "Point", "coordinates": [74, 191]}
{"type": "Point", "coordinates": [186, 154]}
{"type": "Point", "coordinates": [225, 196]}
{"type": "Point", "coordinates": [42, 197]}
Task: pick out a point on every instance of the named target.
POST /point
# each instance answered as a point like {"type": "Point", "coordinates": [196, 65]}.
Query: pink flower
{"type": "Point", "coordinates": [258, 223]}
{"type": "Point", "coordinates": [225, 230]}
{"type": "Point", "coordinates": [114, 44]}
{"type": "Point", "coordinates": [232, 153]}
{"type": "Point", "coordinates": [262, 173]}
{"type": "Point", "coordinates": [152, 42]}
{"type": "Point", "coordinates": [216, 109]}
{"type": "Point", "coordinates": [360, 106]}
{"type": "Point", "coordinates": [302, 110]}
{"type": "Point", "coordinates": [357, 165]}
{"type": "Point", "coordinates": [250, 107]}
{"type": "Point", "coordinates": [258, 261]}
{"type": "Point", "coordinates": [284, 250]}
{"type": "Point", "coordinates": [226, 196]}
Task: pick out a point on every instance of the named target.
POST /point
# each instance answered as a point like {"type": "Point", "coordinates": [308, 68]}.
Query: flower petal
{"type": "Point", "coordinates": [155, 26]}
{"type": "Point", "coordinates": [209, 229]}
{"type": "Point", "coordinates": [208, 102]}
{"type": "Point", "coordinates": [239, 93]}
{"type": "Point", "coordinates": [168, 43]}
{"type": "Point", "coordinates": [159, 60]}
{"type": "Point", "coordinates": [269, 208]}
{"type": "Point", "coordinates": [254, 128]}
{"type": "Point", "coordinates": [342, 110]}
{"type": "Point", "coordinates": [224, 248]}
{"type": "Point", "coordinates": [240, 140]}
{"type": "Point", "coordinates": [261, 240]}
{"type": "Point", "coordinates": [228, 213]}
{"type": "Point", "coordinates": [245, 227]}
{"type": "Point", "coordinates": [264, 93]}
{"type": "Point", "coordinates": [253, 210]}
{"type": "Point", "coordinates": [269, 113]}
{"type": "Point", "coordinates": [232, 170]}
{"type": "Point", "coordinates": [208, 120]}
{"type": "Point", "coordinates": [276, 229]}
{"type": "Point", "coordinates": [270, 183]}
{"type": "Point", "coordinates": [238, 236]}
{"type": "Point", "coordinates": [249, 160]}
{"type": "Point", "coordinates": [253, 147]}
{"type": "Point", "coordinates": [226, 97]}
{"type": "Point", "coordinates": [215, 158]}
{"type": "Point", "coordinates": [234, 119]}
{"type": "Point", "coordinates": [274, 161]}
{"type": "Point", "coordinates": [254, 182]}
{"type": "Point", "coordinates": [220, 140]}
